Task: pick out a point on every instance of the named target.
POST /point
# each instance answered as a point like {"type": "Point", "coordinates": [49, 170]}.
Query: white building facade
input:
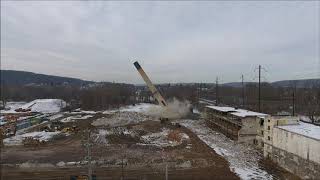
{"type": "Point", "coordinates": [293, 145]}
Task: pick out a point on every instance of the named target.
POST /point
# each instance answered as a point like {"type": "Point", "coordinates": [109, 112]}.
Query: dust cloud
{"type": "Point", "coordinates": [174, 110]}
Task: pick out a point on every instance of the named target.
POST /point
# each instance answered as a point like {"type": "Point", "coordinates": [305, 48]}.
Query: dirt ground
{"type": "Point", "coordinates": [189, 160]}
{"type": "Point", "coordinates": [122, 153]}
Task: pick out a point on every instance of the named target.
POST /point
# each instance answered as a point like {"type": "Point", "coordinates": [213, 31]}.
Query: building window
{"type": "Point", "coordinates": [262, 132]}
{"type": "Point", "coordinates": [268, 127]}
{"type": "Point", "coordinates": [261, 122]}
{"type": "Point", "coordinates": [269, 138]}
{"type": "Point", "coordinates": [268, 120]}
{"type": "Point", "coordinates": [262, 144]}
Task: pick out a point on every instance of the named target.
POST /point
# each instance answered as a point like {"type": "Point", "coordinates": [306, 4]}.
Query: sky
{"type": "Point", "coordinates": [174, 42]}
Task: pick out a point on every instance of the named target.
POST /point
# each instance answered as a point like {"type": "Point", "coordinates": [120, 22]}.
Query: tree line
{"type": "Point", "coordinates": [92, 97]}
{"type": "Point", "coordinates": [98, 96]}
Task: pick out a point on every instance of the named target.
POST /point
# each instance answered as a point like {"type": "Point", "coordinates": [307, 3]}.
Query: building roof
{"type": "Point", "coordinates": [222, 108]}
{"type": "Point", "coordinates": [246, 113]}
{"type": "Point", "coordinates": [237, 112]}
{"type": "Point", "coordinates": [305, 129]}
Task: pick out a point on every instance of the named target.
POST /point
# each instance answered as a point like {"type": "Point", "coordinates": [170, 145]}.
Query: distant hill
{"type": "Point", "coordinates": [307, 83]}
{"type": "Point", "coordinates": [28, 78]}
{"type": "Point", "coordinates": [303, 83]}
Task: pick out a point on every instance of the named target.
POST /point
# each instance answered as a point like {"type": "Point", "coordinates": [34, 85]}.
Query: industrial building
{"type": "Point", "coordinates": [239, 124]}
{"type": "Point", "coordinates": [293, 145]}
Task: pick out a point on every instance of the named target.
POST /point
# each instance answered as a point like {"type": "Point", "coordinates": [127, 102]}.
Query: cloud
{"type": "Point", "coordinates": [174, 41]}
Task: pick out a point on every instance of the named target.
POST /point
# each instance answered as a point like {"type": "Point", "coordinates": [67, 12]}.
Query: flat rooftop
{"type": "Point", "coordinates": [304, 129]}
{"type": "Point", "coordinates": [222, 108]}
{"type": "Point", "coordinates": [245, 113]}
{"type": "Point", "coordinates": [237, 112]}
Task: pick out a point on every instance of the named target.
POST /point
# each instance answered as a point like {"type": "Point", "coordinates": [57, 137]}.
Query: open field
{"type": "Point", "coordinates": [129, 143]}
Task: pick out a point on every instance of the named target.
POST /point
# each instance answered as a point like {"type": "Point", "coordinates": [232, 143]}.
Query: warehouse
{"type": "Point", "coordinates": [239, 124]}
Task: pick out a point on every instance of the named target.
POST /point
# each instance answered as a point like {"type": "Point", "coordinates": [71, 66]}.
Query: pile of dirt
{"type": "Point", "coordinates": [175, 136]}
{"type": "Point", "coordinates": [165, 138]}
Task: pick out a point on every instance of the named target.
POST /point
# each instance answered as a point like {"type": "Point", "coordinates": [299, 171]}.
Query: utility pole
{"type": "Point", "coordinates": [166, 170]}
{"type": "Point", "coordinates": [259, 94]}
{"type": "Point", "coordinates": [242, 91]}
{"type": "Point", "coordinates": [217, 92]}
{"type": "Point", "coordinates": [123, 163]}
{"type": "Point", "coordinates": [165, 159]}
{"type": "Point", "coordinates": [199, 90]}
{"type": "Point", "coordinates": [293, 99]}
{"type": "Point", "coordinates": [87, 144]}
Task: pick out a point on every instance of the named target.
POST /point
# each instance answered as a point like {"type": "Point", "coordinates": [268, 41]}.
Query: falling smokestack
{"type": "Point", "coordinates": [156, 94]}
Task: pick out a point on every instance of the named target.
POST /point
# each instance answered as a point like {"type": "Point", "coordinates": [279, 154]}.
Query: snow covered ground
{"type": "Point", "coordinates": [14, 104]}
{"type": "Point", "coordinates": [45, 105]}
{"type": "Point", "coordinates": [307, 119]}
{"type": "Point", "coordinates": [161, 139]}
{"type": "Point", "coordinates": [55, 116]}
{"type": "Point", "coordinates": [38, 105]}
{"type": "Point", "coordinates": [100, 137]}
{"type": "Point", "coordinates": [17, 140]}
{"type": "Point", "coordinates": [142, 107]}
{"type": "Point", "coordinates": [75, 118]}
{"type": "Point", "coordinates": [243, 159]}
{"type": "Point", "coordinates": [121, 119]}
{"type": "Point", "coordinates": [79, 111]}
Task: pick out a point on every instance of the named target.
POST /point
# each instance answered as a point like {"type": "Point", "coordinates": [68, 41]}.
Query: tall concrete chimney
{"type": "Point", "coordinates": [156, 94]}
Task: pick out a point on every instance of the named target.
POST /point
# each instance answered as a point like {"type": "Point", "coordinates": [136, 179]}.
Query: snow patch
{"type": "Point", "coordinates": [54, 117]}
{"type": "Point", "coordinates": [14, 104]}
{"type": "Point", "coordinates": [142, 107]}
{"type": "Point", "coordinates": [18, 139]}
{"type": "Point", "coordinates": [74, 118]}
{"type": "Point", "coordinates": [161, 139]}
{"type": "Point", "coordinates": [243, 159]}
{"type": "Point", "coordinates": [121, 119]}
{"type": "Point", "coordinates": [36, 165]}
{"type": "Point", "coordinates": [45, 105]}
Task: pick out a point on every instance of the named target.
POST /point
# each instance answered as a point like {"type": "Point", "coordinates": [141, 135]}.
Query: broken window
{"type": "Point", "coordinates": [261, 122]}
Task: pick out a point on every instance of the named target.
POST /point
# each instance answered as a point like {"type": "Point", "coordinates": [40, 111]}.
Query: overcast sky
{"type": "Point", "coordinates": [173, 41]}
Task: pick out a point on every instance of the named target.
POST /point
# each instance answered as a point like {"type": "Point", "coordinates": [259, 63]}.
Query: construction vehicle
{"type": "Point", "coordinates": [155, 93]}
{"type": "Point", "coordinates": [72, 129]}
